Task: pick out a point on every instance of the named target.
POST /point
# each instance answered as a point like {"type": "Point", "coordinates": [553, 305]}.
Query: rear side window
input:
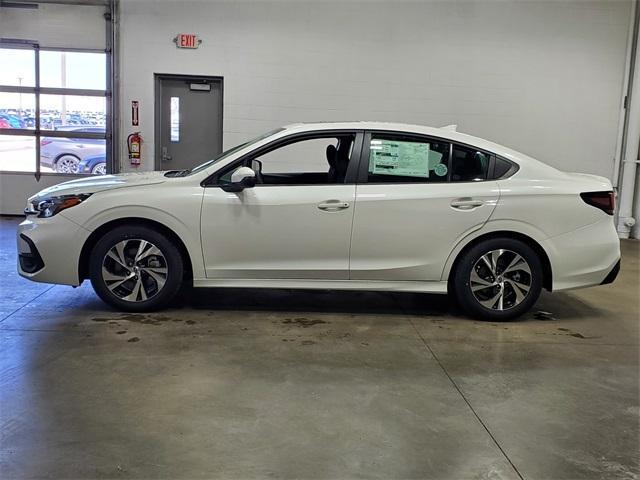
{"type": "Point", "coordinates": [468, 164]}
{"type": "Point", "coordinates": [407, 160]}
{"type": "Point", "coordinates": [503, 168]}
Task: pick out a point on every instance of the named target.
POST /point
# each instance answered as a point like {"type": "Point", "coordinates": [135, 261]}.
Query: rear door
{"type": "Point", "coordinates": [416, 197]}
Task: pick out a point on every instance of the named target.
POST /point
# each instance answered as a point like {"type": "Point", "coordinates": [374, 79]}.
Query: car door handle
{"type": "Point", "coordinates": [466, 203]}
{"type": "Point", "coordinates": [333, 205]}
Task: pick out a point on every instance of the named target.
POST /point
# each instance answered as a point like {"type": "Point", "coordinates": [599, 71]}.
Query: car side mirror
{"type": "Point", "coordinates": [241, 178]}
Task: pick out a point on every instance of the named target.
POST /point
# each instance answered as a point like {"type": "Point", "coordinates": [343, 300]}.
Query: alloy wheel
{"type": "Point", "coordinates": [500, 279]}
{"type": "Point", "coordinates": [134, 270]}
{"type": "Point", "coordinates": [100, 169]}
{"type": "Point", "coordinates": [67, 164]}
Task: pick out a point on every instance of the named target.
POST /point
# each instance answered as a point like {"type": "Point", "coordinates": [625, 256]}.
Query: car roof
{"type": "Point", "coordinates": [448, 132]}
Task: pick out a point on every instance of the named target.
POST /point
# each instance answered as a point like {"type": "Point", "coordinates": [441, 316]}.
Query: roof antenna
{"type": "Point", "coordinates": [451, 128]}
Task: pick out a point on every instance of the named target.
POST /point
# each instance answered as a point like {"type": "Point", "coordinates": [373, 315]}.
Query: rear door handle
{"type": "Point", "coordinates": [466, 203]}
{"type": "Point", "coordinates": [333, 205]}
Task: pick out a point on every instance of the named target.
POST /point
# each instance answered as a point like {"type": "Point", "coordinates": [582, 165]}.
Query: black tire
{"type": "Point", "coordinates": [169, 259]}
{"type": "Point", "coordinates": [472, 259]}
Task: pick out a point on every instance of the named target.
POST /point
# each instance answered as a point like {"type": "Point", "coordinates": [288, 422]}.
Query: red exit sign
{"type": "Point", "coordinates": [187, 40]}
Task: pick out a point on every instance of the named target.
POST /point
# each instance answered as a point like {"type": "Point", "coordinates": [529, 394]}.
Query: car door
{"type": "Point", "coordinates": [296, 222]}
{"type": "Point", "coordinates": [416, 198]}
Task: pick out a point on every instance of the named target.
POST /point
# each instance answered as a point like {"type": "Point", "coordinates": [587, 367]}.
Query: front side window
{"type": "Point", "coordinates": [468, 164]}
{"type": "Point", "coordinates": [407, 160]}
{"type": "Point", "coordinates": [309, 161]}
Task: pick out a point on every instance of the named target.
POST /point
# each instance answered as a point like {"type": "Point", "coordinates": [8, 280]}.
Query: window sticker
{"type": "Point", "coordinates": [407, 159]}
{"type": "Point", "coordinates": [440, 169]}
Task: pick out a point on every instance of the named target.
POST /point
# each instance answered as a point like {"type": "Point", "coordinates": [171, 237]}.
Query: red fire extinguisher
{"type": "Point", "coordinates": [134, 144]}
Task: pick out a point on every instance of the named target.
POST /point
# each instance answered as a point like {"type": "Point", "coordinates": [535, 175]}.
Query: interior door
{"type": "Point", "coordinates": [414, 204]}
{"type": "Point", "coordinates": [189, 121]}
{"type": "Point", "coordinates": [295, 223]}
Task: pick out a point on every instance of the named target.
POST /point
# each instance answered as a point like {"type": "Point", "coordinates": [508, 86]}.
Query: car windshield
{"type": "Point", "coordinates": [231, 151]}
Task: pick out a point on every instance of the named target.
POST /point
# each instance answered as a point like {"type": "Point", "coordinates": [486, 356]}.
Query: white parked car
{"type": "Point", "coordinates": [360, 205]}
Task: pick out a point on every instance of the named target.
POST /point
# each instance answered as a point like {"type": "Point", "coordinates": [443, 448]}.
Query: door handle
{"type": "Point", "coordinates": [165, 154]}
{"type": "Point", "coordinates": [466, 203]}
{"type": "Point", "coordinates": [333, 205]}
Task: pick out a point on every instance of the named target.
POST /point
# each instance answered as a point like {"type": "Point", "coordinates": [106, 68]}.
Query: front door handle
{"type": "Point", "coordinates": [333, 205]}
{"type": "Point", "coordinates": [466, 203]}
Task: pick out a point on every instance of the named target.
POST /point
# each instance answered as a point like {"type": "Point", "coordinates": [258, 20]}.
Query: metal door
{"type": "Point", "coordinates": [188, 121]}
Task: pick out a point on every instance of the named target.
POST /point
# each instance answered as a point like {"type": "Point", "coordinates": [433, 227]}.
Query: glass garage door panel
{"type": "Point", "coordinates": [17, 67]}
{"type": "Point", "coordinates": [73, 70]}
{"type": "Point", "coordinates": [17, 153]}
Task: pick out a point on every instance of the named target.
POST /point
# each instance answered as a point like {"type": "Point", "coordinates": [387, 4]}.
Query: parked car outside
{"type": "Point", "coordinates": [14, 121]}
{"type": "Point", "coordinates": [64, 155]}
{"type": "Point", "coordinates": [356, 206]}
{"type": "Point", "coordinates": [95, 164]}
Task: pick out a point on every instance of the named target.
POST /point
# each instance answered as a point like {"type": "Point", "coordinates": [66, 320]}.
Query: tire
{"type": "Point", "coordinates": [136, 269]}
{"type": "Point", "coordinates": [491, 279]}
{"type": "Point", "coordinates": [99, 169]}
{"type": "Point", "coordinates": [67, 163]}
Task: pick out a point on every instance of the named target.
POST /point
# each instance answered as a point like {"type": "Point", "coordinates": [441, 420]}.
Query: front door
{"type": "Point", "coordinates": [188, 121]}
{"type": "Point", "coordinates": [414, 204]}
{"type": "Point", "coordinates": [295, 223]}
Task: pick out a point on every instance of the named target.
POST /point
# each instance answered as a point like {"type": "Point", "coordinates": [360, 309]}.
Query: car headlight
{"type": "Point", "coordinates": [50, 206]}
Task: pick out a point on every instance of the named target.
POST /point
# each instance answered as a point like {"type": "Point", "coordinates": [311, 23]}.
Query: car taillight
{"type": "Point", "coordinates": [45, 141]}
{"type": "Point", "coordinates": [605, 201]}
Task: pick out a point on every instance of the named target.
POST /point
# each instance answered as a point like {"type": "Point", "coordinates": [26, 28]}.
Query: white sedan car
{"type": "Point", "coordinates": [361, 205]}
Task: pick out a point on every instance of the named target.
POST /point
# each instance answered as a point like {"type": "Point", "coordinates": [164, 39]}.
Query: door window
{"type": "Point", "coordinates": [468, 164]}
{"type": "Point", "coordinates": [311, 161]}
{"type": "Point", "coordinates": [407, 160]}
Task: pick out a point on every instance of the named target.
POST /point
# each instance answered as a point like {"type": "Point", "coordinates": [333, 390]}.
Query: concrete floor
{"type": "Point", "coordinates": [290, 384]}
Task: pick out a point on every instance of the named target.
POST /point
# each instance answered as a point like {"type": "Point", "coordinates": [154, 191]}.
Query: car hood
{"type": "Point", "coordinates": [98, 184]}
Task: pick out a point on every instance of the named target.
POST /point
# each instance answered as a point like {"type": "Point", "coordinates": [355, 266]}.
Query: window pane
{"type": "Point", "coordinates": [468, 164]}
{"type": "Point", "coordinates": [403, 159]}
{"type": "Point", "coordinates": [73, 70]}
{"type": "Point", "coordinates": [306, 162]}
{"type": "Point", "coordinates": [18, 67]}
{"type": "Point", "coordinates": [17, 110]}
{"type": "Point", "coordinates": [74, 155]}
{"type": "Point", "coordinates": [175, 119]}
{"type": "Point", "coordinates": [71, 110]}
{"type": "Point", "coordinates": [17, 154]}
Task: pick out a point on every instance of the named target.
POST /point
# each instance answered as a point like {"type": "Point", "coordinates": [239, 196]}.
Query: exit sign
{"type": "Point", "coordinates": [187, 40]}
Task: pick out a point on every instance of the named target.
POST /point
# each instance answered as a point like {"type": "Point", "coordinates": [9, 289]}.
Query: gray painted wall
{"type": "Point", "coordinates": [544, 78]}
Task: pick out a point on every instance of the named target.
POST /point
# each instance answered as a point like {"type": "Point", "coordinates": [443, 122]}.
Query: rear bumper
{"type": "Point", "coordinates": [613, 274]}
{"type": "Point", "coordinates": [585, 257]}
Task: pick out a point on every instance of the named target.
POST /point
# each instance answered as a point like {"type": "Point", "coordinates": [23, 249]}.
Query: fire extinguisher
{"type": "Point", "coordinates": [134, 144]}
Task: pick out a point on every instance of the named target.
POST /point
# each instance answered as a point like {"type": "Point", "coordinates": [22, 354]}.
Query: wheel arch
{"type": "Point", "coordinates": [83, 262]}
{"type": "Point", "coordinates": [547, 272]}
{"type": "Point", "coordinates": [65, 154]}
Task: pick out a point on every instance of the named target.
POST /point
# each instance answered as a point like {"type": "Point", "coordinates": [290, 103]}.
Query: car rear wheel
{"type": "Point", "coordinates": [67, 164]}
{"type": "Point", "coordinates": [136, 269]}
{"type": "Point", "coordinates": [498, 279]}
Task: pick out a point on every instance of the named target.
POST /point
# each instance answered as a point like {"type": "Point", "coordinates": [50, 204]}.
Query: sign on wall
{"type": "Point", "coordinates": [187, 40]}
{"type": "Point", "coordinates": [135, 117]}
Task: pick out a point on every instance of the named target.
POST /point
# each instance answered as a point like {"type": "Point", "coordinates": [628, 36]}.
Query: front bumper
{"type": "Point", "coordinates": [49, 249]}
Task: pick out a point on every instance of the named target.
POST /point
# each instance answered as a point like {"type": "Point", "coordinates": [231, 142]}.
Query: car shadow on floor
{"type": "Point", "coordinates": [332, 301]}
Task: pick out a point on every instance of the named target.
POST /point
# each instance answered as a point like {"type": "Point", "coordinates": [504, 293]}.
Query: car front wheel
{"type": "Point", "coordinates": [136, 269]}
{"type": "Point", "coordinates": [67, 164]}
{"type": "Point", "coordinates": [498, 279]}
